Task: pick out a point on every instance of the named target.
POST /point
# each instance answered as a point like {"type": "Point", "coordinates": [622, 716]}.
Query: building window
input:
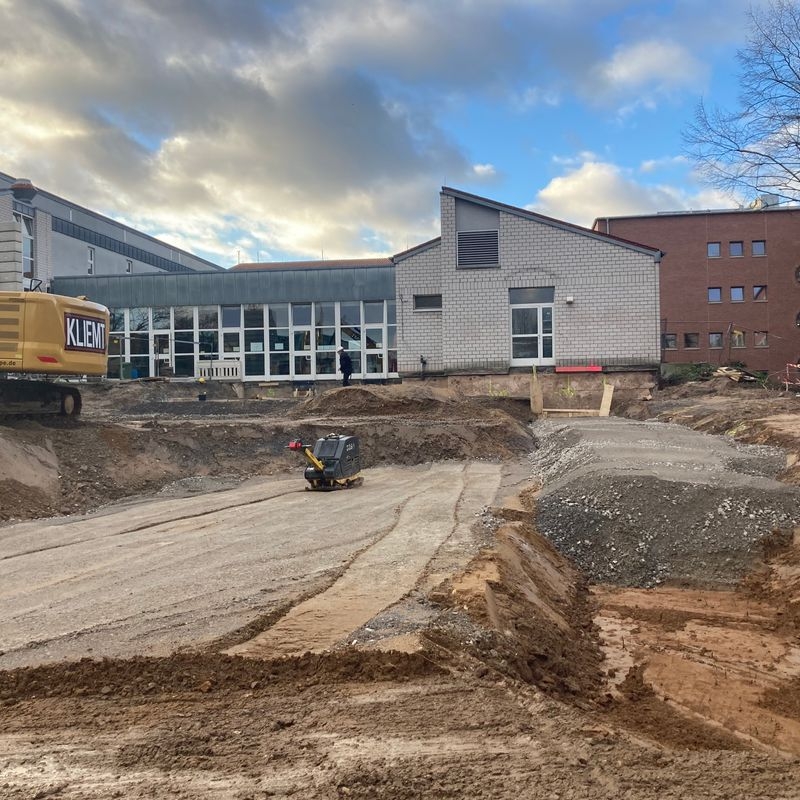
{"type": "Point", "coordinates": [128, 266]}
{"type": "Point", "coordinates": [715, 340]}
{"type": "Point", "coordinates": [478, 249]}
{"type": "Point", "coordinates": [427, 302]}
{"type": "Point", "coordinates": [712, 249]}
{"type": "Point", "coordinates": [737, 339]}
{"type": "Point", "coordinates": [759, 294]}
{"type": "Point", "coordinates": [26, 225]}
{"type": "Point", "coordinates": [736, 249]}
{"type": "Point", "coordinates": [759, 247]}
{"type": "Point", "coordinates": [532, 326]}
{"type": "Point", "coordinates": [737, 294]}
{"type": "Point", "coordinates": [91, 260]}
{"type": "Point", "coordinates": [715, 294]}
{"type": "Point", "coordinates": [691, 341]}
{"type": "Point", "coordinates": [760, 339]}
{"type": "Point", "coordinates": [669, 341]}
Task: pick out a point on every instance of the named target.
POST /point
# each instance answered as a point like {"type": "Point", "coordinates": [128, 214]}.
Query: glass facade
{"type": "Point", "coordinates": [280, 341]}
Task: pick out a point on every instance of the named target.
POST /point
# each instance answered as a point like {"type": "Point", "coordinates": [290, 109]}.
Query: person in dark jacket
{"type": "Point", "coordinates": [345, 366]}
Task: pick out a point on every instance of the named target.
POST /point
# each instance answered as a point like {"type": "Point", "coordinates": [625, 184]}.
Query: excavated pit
{"type": "Point", "coordinates": [642, 574]}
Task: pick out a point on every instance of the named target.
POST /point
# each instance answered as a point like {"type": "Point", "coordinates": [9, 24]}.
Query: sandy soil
{"type": "Point", "coordinates": [489, 655]}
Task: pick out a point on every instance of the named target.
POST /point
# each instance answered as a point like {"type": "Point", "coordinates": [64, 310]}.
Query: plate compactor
{"type": "Point", "coordinates": [334, 463]}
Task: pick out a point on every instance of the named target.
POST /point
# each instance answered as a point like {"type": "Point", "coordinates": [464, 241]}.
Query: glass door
{"type": "Point", "coordinates": [532, 335]}
{"type": "Point", "coordinates": [162, 355]}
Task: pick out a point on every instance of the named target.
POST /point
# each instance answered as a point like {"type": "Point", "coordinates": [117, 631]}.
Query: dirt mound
{"type": "Point", "coordinates": [209, 673]}
{"type": "Point", "coordinates": [410, 402]}
{"type": "Point", "coordinates": [155, 438]}
{"type": "Point", "coordinates": [532, 614]}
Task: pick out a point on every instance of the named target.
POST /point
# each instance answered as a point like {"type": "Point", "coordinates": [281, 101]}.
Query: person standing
{"type": "Point", "coordinates": [345, 366]}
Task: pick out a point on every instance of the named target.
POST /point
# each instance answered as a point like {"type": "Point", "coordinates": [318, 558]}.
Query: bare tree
{"type": "Point", "coordinates": [757, 148]}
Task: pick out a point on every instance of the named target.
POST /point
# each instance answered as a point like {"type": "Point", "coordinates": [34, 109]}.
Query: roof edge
{"type": "Point", "coordinates": [419, 248]}
{"type": "Point", "coordinates": [551, 221]}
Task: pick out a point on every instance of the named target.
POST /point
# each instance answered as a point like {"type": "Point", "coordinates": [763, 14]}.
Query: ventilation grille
{"type": "Point", "coordinates": [478, 249]}
{"type": "Point", "coordinates": [10, 325]}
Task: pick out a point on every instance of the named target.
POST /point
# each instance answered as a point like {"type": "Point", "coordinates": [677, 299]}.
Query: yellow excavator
{"type": "Point", "coordinates": [44, 338]}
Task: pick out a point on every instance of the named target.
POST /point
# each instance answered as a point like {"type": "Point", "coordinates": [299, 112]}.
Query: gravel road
{"type": "Point", "coordinates": [152, 577]}
{"type": "Point", "coordinates": [643, 503]}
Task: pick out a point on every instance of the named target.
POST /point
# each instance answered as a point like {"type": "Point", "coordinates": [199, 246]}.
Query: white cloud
{"type": "Point", "coordinates": [599, 189]}
{"type": "Point", "coordinates": [640, 73]}
{"type": "Point", "coordinates": [484, 170]}
{"type": "Point", "coordinates": [655, 164]}
{"type": "Point", "coordinates": [535, 96]}
{"type": "Point", "coordinates": [314, 124]}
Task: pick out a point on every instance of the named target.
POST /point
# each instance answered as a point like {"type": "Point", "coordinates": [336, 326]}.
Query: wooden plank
{"type": "Point", "coordinates": [587, 368]}
{"type": "Point", "coordinates": [537, 401]}
{"type": "Point", "coordinates": [605, 403]}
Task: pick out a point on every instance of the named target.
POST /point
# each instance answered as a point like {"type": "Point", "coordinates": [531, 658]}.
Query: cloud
{"type": "Point", "coordinates": [484, 170]}
{"type": "Point", "coordinates": [599, 189]}
{"type": "Point", "coordinates": [656, 164]}
{"type": "Point", "coordinates": [647, 70]}
{"type": "Point", "coordinates": [305, 122]}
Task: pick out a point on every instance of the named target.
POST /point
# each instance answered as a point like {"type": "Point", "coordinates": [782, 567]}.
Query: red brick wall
{"type": "Point", "coordinates": [687, 273]}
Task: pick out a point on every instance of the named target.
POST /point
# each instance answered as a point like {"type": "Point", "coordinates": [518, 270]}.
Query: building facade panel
{"type": "Point", "coordinates": [71, 240]}
{"type": "Point", "coordinates": [274, 325]}
{"type": "Point", "coordinates": [730, 286]}
{"type": "Point", "coordinates": [602, 307]}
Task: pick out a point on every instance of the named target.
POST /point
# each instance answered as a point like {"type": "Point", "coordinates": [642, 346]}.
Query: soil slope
{"type": "Point", "coordinates": [618, 622]}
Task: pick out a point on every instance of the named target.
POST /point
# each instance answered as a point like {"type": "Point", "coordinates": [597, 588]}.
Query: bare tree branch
{"type": "Point", "coordinates": [757, 147]}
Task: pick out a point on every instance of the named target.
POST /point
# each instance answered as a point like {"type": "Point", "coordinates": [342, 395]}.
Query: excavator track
{"type": "Point", "coordinates": [33, 397]}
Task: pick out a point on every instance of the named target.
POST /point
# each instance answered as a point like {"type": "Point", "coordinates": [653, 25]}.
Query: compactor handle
{"type": "Point", "coordinates": [298, 446]}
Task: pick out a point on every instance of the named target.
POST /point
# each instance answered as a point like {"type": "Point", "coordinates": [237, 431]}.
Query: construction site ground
{"type": "Point", "coordinates": [506, 608]}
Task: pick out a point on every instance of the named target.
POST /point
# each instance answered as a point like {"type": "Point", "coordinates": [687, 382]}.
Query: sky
{"type": "Point", "coordinates": [278, 130]}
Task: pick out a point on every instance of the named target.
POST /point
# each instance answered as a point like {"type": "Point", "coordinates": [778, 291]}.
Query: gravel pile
{"type": "Point", "coordinates": [645, 503]}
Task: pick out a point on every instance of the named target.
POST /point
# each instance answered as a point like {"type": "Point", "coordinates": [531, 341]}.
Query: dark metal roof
{"type": "Point", "coordinates": [232, 287]}
{"type": "Point", "coordinates": [360, 263]}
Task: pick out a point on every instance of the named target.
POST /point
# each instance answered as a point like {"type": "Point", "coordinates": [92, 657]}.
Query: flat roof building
{"type": "Point", "coordinates": [729, 283]}
{"type": "Point", "coordinates": [62, 238]}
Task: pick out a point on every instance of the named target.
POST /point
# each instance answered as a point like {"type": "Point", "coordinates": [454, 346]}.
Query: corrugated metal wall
{"type": "Point", "coordinates": [232, 288]}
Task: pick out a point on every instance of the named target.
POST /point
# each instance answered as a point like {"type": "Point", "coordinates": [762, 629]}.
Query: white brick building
{"type": "Point", "coordinates": [504, 287]}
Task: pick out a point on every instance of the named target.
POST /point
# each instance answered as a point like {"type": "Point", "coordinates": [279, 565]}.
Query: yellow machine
{"type": "Point", "coordinates": [45, 336]}
{"type": "Point", "coordinates": [334, 463]}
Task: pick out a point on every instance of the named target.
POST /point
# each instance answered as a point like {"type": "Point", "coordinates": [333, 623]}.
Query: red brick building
{"type": "Point", "coordinates": [729, 283]}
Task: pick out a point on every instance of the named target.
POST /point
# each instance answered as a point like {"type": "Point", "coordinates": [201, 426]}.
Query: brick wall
{"type": "Point", "coordinates": [614, 319]}
{"type": "Point", "coordinates": [419, 333]}
{"type": "Point", "coordinates": [687, 273]}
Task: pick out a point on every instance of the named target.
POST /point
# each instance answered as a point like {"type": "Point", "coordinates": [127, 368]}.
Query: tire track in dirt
{"type": "Point", "coordinates": [161, 513]}
{"type": "Point", "coordinates": [388, 569]}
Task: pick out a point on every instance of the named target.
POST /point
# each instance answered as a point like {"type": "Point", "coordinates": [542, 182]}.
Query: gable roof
{"type": "Point", "coordinates": [552, 222]}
